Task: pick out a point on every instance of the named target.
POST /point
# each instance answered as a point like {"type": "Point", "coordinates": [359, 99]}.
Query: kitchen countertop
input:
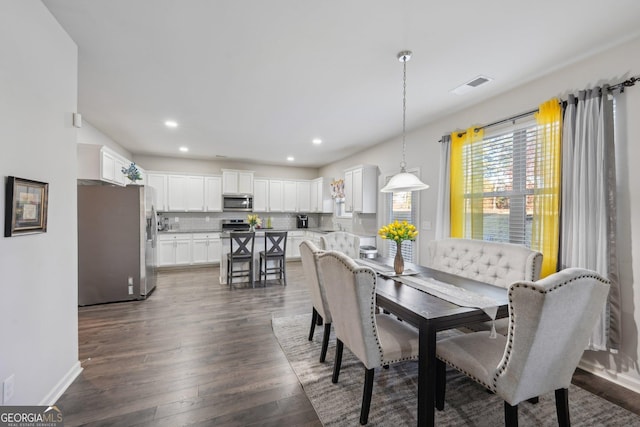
{"type": "Point", "coordinates": [315, 230]}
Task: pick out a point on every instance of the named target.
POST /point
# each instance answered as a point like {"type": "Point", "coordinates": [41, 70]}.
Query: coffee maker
{"type": "Point", "coordinates": [303, 221]}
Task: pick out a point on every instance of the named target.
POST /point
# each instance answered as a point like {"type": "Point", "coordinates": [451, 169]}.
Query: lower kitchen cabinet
{"type": "Point", "coordinates": [205, 248]}
{"type": "Point", "coordinates": [294, 238]}
{"type": "Point", "coordinates": [174, 250]}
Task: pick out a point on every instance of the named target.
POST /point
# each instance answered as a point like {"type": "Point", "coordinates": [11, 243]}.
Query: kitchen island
{"type": "Point", "coordinates": [294, 238]}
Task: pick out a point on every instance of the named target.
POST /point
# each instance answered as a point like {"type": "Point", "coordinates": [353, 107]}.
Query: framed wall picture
{"type": "Point", "coordinates": [25, 206]}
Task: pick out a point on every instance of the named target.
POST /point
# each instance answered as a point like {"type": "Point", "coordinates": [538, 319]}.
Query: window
{"type": "Point", "coordinates": [402, 207]}
{"type": "Point", "coordinates": [503, 189]}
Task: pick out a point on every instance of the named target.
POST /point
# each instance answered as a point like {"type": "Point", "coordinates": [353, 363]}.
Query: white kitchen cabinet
{"type": "Point", "coordinates": [99, 162]}
{"type": "Point", "coordinates": [185, 193]}
{"type": "Point", "coordinates": [290, 196]}
{"type": "Point", "coordinates": [111, 167]}
{"type": "Point", "coordinates": [303, 196]}
{"type": "Point", "coordinates": [205, 248]}
{"type": "Point", "coordinates": [237, 181]}
{"type": "Point", "coordinates": [174, 250]}
{"type": "Point", "coordinates": [294, 238]}
{"type": "Point", "coordinates": [213, 194]}
{"type": "Point", "coordinates": [159, 183]}
{"type": "Point", "coordinates": [276, 199]}
{"type": "Point", "coordinates": [260, 195]}
{"type": "Point", "coordinates": [361, 188]}
{"type": "Point", "coordinates": [321, 201]}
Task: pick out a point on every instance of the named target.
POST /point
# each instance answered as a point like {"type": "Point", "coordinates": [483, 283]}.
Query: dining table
{"type": "Point", "coordinates": [405, 297]}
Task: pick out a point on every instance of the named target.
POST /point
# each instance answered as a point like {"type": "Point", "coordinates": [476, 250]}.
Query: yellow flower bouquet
{"type": "Point", "coordinates": [254, 220]}
{"type": "Point", "coordinates": [398, 232]}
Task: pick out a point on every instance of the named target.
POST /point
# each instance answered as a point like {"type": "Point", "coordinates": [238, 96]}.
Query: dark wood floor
{"type": "Point", "coordinates": [196, 353]}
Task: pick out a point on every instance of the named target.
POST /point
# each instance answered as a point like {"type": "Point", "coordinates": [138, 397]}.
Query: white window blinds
{"type": "Point", "coordinates": [508, 178]}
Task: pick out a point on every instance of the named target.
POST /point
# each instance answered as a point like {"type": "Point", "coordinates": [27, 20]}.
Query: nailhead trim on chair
{"type": "Point", "coordinates": [367, 270]}
{"type": "Point", "coordinates": [509, 347]}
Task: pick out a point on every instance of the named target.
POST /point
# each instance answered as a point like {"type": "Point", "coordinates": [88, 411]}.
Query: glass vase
{"type": "Point", "coordinates": [398, 261]}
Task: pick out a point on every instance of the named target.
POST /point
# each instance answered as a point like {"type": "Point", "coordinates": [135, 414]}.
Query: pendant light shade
{"type": "Point", "coordinates": [404, 181]}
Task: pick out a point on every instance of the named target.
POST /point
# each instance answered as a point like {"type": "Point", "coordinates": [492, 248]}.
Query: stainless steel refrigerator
{"type": "Point", "coordinates": [117, 239]}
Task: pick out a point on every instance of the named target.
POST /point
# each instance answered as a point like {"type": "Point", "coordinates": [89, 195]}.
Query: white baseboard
{"type": "Point", "coordinates": [619, 378]}
{"type": "Point", "coordinates": [52, 397]}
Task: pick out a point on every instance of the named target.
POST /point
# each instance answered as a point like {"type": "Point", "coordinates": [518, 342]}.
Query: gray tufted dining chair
{"type": "Point", "coordinates": [549, 326]}
{"type": "Point", "coordinates": [342, 241]}
{"type": "Point", "coordinates": [376, 339]}
{"type": "Point", "coordinates": [321, 312]}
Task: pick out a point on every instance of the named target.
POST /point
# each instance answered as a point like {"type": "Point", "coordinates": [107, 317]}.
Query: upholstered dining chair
{"type": "Point", "coordinates": [241, 245]}
{"type": "Point", "coordinates": [376, 339]}
{"type": "Point", "coordinates": [549, 326]}
{"type": "Point", "coordinates": [342, 241]}
{"type": "Point", "coordinates": [321, 312]}
{"type": "Point", "coordinates": [275, 248]}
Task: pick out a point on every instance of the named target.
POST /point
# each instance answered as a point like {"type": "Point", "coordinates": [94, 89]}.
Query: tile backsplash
{"type": "Point", "coordinates": [212, 221]}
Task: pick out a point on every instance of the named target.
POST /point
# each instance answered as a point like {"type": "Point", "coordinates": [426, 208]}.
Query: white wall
{"type": "Point", "coordinates": [38, 288]}
{"type": "Point", "coordinates": [611, 66]}
{"type": "Point", "coordinates": [88, 134]}
{"type": "Point", "coordinates": [173, 164]}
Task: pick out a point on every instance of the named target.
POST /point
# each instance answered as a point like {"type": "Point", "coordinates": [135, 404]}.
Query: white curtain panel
{"type": "Point", "coordinates": [585, 240]}
{"type": "Point", "coordinates": [443, 211]}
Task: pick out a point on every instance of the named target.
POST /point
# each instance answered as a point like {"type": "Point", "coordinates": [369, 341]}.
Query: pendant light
{"type": "Point", "coordinates": [404, 181]}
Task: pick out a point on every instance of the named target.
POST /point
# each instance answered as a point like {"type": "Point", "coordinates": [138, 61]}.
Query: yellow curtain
{"type": "Point", "coordinates": [467, 177]}
{"type": "Point", "coordinates": [546, 198]}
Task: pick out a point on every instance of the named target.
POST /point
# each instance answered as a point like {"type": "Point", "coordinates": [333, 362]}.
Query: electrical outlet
{"type": "Point", "coordinates": [8, 387]}
{"type": "Point", "coordinates": [130, 290]}
{"type": "Point", "coordinates": [176, 219]}
{"type": "Point", "coordinates": [130, 281]}
{"type": "Point", "coordinates": [206, 219]}
{"type": "Point", "coordinates": [426, 225]}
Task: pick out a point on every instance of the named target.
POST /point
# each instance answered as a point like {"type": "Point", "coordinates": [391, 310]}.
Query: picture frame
{"type": "Point", "coordinates": [26, 205]}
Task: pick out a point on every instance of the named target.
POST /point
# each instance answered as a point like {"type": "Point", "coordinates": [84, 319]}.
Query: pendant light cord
{"type": "Point", "coordinates": [403, 164]}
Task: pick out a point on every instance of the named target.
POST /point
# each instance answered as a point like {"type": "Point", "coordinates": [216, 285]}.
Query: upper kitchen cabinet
{"type": "Point", "coordinates": [99, 162]}
{"type": "Point", "coordinates": [276, 196]}
{"type": "Point", "coordinates": [290, 196]}
{"type": "Point", "coordinates": [159, 183]}
{"type": "Point", "coordinates": [321, 201]}
{"type": "Point", "coordinates": [237, 181]}
{"type": "Point", "coordinates": [260, 195]}
{"type": "Point", "coordinates": [361, 189]}
{"type": "Point", "coordinates": [185, 193]}
{"type": "Point", "coordinates": [303, 203]}
{"type": "Point", "coordinates": [213, 194]}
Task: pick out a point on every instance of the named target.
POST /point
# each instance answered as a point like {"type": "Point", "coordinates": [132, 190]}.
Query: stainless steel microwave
{"type": "Point", "coordinates": [237, 203]}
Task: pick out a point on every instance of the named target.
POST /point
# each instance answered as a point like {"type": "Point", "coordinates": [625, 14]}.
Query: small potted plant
{"type": "Point", "coordinates": [132, 173]}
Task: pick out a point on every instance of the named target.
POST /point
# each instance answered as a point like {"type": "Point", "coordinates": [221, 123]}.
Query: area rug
{"type": "Point", "coordinates": [394, 398]}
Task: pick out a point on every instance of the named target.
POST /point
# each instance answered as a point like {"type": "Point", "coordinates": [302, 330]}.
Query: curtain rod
{"type": "Point", "coordinates": [627, 83]}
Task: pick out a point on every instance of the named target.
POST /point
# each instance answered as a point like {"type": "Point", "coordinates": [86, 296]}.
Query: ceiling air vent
{"type": "Point", "coordinates": [472, 84]}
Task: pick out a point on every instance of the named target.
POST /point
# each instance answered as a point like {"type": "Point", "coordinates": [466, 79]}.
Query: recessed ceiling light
{"type": "Point", "coordinates": [184, 149]}
{"type": "Point", "coordinates": [171, 124]}
{"type": "Point", "coordinates": [317, 141]}
{"type": "Point", "coordinates": [290, 159]}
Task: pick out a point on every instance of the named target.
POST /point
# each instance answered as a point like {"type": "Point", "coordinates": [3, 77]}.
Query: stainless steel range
{"type": "Point", "coordinates": [235, 225]}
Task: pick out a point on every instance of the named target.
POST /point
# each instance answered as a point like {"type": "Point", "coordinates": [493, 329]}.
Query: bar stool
{"type": "Point", "coordinates": [240, 252]}
{"type": "Point", "coordinates": [275, 246]}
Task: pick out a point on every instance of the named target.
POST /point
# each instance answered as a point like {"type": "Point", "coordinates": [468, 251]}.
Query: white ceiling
{"type": "Point", "coordinates": [257, 80]}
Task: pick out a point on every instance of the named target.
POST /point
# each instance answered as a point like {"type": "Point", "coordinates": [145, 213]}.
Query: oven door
{"type": "Point", "coordinates": [237, 203]}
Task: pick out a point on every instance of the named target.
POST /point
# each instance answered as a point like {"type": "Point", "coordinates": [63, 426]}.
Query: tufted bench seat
{"type": "Point", "coordinates": [347, 243]}
{"type": "Point", "coordinates": [499, 264]}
